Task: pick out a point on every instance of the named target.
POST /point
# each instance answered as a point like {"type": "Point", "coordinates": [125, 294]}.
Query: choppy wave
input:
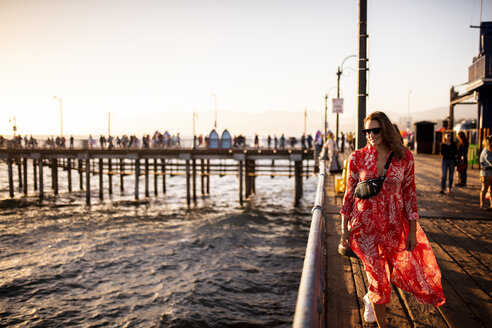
{"type": "Point", "coordinates": [154, 263]}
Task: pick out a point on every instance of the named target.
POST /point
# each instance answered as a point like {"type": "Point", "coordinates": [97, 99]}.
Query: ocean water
{"type": "Point", "coordinates": [153, 262]}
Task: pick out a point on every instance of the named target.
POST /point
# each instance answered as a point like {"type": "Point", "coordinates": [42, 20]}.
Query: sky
{"type": "Point", "coordinates": [149, 64]}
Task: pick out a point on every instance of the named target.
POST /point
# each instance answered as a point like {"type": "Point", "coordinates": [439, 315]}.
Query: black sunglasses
{"type": "Point", "coordinates": [373, 130]}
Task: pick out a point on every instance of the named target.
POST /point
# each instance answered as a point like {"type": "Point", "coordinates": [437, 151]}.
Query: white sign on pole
{"type": "Point", "coordinates": [338, 105]}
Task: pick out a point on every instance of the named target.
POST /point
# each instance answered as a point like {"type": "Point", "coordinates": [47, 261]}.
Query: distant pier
{"type": "Point", "coordinates": [187, 162]}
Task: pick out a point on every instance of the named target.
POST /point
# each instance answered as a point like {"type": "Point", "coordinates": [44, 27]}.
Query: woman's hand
{"type": "Point", "coordinates": [411, 241]}
{"type": "Point", "coordinates": [412, 236]}
{"type": "Point", "coordinates": [345, 238]}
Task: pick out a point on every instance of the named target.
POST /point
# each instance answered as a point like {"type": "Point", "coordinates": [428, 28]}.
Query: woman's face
{"type": "Point", "coordinates": [375, 139]}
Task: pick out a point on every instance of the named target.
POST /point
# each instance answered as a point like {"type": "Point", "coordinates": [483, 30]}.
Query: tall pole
{"type": "Point", "coordinates": [339, 73]}
{"type": "Point", "coordinates": [194, 131]}
{"type": "Point", "coordinates": [326, 114]}
{"type": "Point", "coordinates": [408, 107]}
{"type": "Point", "coordinates": [215, 111]}
{"type": "Point", "coordinates": [305, 118]}
{"type": "Point", "coordinates": [362, 92]}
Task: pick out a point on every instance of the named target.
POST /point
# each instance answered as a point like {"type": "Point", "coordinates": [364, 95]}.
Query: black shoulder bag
{"type": "Point", "coordinates": [370, 188]}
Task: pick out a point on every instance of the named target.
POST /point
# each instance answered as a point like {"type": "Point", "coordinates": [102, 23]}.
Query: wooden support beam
{"type": "Point", "coordinates": [240, 169]}
{"type": "Point", "coordinates": [163, 163]}
{"type": "Point", "coordinates": [34, 174]}
{"type": "Point", "coordinates": [122, 169]}
{"type": "Point", "coordinates": [202, 177]}
{"type": "Point", "coordinates": [101, 184]}
{"type": "Point", "coordinates": [81, 177]}
{"type": "Point", "coordinates": [137, 175]}
{"type": "Point", "coordinates": [298, 182]}
{"type": "Point", "coordinates": [188, 198]}
{"type": "Point", "coordinates": [24, 168]}
{"type": "Point", "coordinates": [247, 179]}
{"type": "Point", "coordinates": [110, 176]}
{"type": "Point", "coordinates": [146, 177]}
{"type": "Point", "coordinates": [208, 177]}
{"type": "Point", "coordinates": [11, 178]}
{"type": "Point", "coordinates": [194, 179]}
{"type": "Point", "coordinates": [69, 174]}
{"type": "Point", "coordinates": [41, 185]}
{"type": "Point", "coordinates": [155, 176]}
{"type": "Point", "coordinates": [88, 180]}
{"type": "Point", "coordinates": [19, 171]}
{"type": "Point", "coordinates": [54, 163]}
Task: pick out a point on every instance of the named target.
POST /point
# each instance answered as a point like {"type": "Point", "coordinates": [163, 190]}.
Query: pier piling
{"type": "Point", "coordinates": [110, 176]}
{"type": "Point", "coordinates": [194, 179]}
{"type": "Point", "coordinates": [34, 174]}
{"type": "Point", "coordinates": [88, 180]}
{"type": "Point", "coordinates": [101, 164]}
{"type": "Point", "coordinates": [24, 163]}
{"type": "Point", "coordinates": [163, 176]}
{"type": "Point", "coordinates": [155, 176]}
{"type": "Point", "coordinates": [188, 200]}
{"type": "Point", "coordinates": [11, 178]}
{"type": "Point", "coordinates": [137, 174]}
{"type": "Point", "coordinates": [19, 171]}
{"type": "Point", "coordinates": [122, 170]}
{"type": "Point", "coordinates": [41, 186]}
{"type": "Point", "coordinates": [69, 174]}
{"type": "Point", "coordinates": [55, 175]}
{"type": "Point", "coordinates": [146, 178]}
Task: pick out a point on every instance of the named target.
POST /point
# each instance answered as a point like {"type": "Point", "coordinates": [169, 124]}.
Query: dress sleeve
{"type": "Point", "coordinates": [408, 189]}
{"type": "Point", "coordinates": [352, 180]}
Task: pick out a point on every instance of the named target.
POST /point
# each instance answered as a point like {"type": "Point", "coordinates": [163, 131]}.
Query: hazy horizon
{"type": "Point", "coordinates": [145, 61]}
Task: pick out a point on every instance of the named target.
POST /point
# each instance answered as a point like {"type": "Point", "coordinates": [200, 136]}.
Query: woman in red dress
{"type": "Point", "coordinates": [383, 230]}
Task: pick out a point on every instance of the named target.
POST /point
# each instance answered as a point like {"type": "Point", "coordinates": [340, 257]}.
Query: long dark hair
{"type": "Point", "coordinates": [390, 137]}
{"type": "Point", "coordinates": [463, 139]}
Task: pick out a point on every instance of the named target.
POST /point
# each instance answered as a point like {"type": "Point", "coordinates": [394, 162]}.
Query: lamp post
{"type": "Point", "coordinates": [194, 129]}
{"type": "Point", "coordinates": [408, 108]}
{"type": "Point", "coordinates": [215, 110]}
{"type": "Point", "coordinates": [61, 115]}
{"type": "Point", "coordinates": [339, 74]}
{"type": "Point", "coordinates": [326, 110]}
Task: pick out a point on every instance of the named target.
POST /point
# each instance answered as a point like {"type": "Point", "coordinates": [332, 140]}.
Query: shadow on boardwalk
{"type": "Point", "coordinates": [460, 234]}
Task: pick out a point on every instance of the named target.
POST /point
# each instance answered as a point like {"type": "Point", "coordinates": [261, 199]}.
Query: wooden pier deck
{"type": "Point", "coordinates": [156, 163]}
{"type": "Point", "coordinates": [461, 237]}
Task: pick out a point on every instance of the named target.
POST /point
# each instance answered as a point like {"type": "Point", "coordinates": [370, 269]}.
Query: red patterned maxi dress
{"type": "Point", "coordinates": [379, 229]}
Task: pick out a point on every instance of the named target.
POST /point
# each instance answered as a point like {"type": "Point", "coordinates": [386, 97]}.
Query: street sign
{"type": "Point", "coordinates": [338, 105]}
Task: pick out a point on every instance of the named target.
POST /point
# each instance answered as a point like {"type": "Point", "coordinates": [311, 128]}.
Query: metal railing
{"type": "Point", "coordinates": [311, 297]}
{"type": "Point", "coordinates": [480, 69]}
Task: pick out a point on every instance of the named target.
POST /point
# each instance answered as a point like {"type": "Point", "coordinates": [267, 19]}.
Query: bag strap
{"type": "Point", "coordinates": [386, 166]}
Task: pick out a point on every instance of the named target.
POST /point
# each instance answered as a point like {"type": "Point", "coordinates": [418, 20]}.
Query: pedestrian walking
{"type": "Point", "coordinates": [381, 226]}
{"type": "Point", "coordinates": [449, 152]}
{"type": "Point", "coordinates": [462, 163]}
{"type": "Point", "coordinates": [486, 173]}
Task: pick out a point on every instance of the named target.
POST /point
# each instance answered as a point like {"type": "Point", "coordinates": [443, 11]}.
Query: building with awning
{"type": "Point", "coordinates": [478, 90]}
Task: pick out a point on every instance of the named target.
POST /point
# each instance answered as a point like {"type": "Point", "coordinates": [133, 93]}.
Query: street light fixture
{"type": "Point", "coordinates": [61, 115]}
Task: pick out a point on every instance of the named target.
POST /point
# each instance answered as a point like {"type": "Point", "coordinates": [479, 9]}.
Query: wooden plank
{"type": "Point", "coordinates": [396, 315]}
{"type": "Point", "coordinates": [480, 231]}
{"type": "Point", "coordinates": [463, 250]}
{"type": "Point", "coordinates": [342, 306]}
{"type": "Point", "coordinates": [464, 299]}
{"type": "Point", "coordinates": [360, 282]}
{"type": "Point", "coordinates": [422, 315]}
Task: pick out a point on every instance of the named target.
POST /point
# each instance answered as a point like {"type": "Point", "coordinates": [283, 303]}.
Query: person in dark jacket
{"type": "Point", "coordinates": [462, 164]}
{"type": "Point", "coordinates": [449, 153]}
